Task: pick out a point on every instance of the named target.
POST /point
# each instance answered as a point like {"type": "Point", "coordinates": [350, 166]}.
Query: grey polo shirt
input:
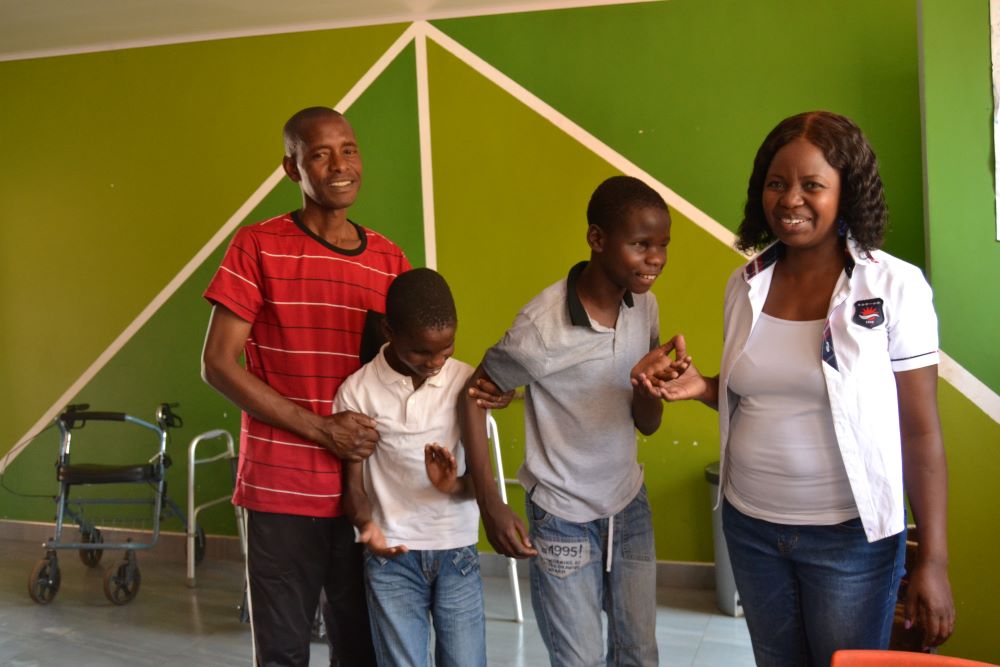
{"type": "Point", "coordinates": [580, 439]}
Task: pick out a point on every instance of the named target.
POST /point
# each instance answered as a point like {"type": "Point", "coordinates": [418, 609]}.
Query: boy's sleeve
{"type": "Point", "coordinates": [912, 324]}
{"type": "Point", "coordinates": [519, 358]}
{"type": "Point", "coordinates": [654, 322]}
{"type": "Point", "coordinates": [236, 285]}
{"type": "Point", "coordinates": [347, 398]}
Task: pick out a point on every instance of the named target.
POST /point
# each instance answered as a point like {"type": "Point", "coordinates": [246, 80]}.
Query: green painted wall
{"type": "Point", "coordinates": [965, 254]}
{"type": "Point", "coordinates": [965, 273]}
{"type": "Point", "coordinates": [688, 90]}
{"type": "Point", "coordinates": [161, 362]}
{"type": "Point", "coordinates": [519, 221]}
{"type": "Point", "coordinates": [119, 166]}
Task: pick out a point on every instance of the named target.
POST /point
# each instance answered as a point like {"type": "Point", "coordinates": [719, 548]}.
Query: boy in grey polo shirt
{"type": "Point", "coordinates": [573, 347]}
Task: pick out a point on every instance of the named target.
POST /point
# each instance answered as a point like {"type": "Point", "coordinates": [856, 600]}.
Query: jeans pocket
{"type": "Point", "coordinates": [637, 529]}
{"type": "Point", "coordinates": [535, 513]}
{"type": "Point", "coordinates": [561, 557]}
{"type": "Point", "coordinates": [378, 560]}
{"type": "Point", "coordinates": [850, 527]}
{"type": "Point", "coordinates": [465, 560]}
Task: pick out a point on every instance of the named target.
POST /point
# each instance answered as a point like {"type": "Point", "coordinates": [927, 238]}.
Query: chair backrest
{"type": "Point", "coordinates": [900, 659]}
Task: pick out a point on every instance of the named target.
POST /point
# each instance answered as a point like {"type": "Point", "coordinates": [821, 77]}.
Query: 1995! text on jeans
{"type": "Point", "coordinates": [570, 587]}
{"type": "Point", "coordinates": [810, 590]}
{"type": "Point", "coordinates": [407, 591]}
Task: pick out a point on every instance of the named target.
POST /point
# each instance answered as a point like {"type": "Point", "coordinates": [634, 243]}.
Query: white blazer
{"type": "Point", "coordinates": [880, 320]}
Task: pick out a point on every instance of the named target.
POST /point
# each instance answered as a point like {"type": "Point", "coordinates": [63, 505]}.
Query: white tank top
{"type": "Point", "coordinates": [784, 464]}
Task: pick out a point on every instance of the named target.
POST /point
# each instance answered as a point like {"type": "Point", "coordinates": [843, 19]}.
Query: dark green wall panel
{"type": "Point", "coordinates": [688, 89]}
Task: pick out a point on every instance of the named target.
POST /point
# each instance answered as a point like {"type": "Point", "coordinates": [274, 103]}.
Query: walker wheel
{"type": "Point", "coordinates": [91, 557]}
{"type": "Point", "coordinates": [121, 582]}
{"type": "Point", "coordinates": [44, 580]}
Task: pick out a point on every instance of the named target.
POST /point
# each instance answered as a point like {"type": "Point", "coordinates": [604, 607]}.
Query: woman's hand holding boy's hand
{"type": "Point", "coordinates": [371, 536]}
{"type": "Point", "coordinates": [658, 367]}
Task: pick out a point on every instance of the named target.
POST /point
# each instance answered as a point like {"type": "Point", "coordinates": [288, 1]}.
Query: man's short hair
{"type": "Point", "coordinates": [419, 299]}
{"type": "Point", "coordinates": [618, 195]}
{"type": "Point", "coordinates": [293, 127]}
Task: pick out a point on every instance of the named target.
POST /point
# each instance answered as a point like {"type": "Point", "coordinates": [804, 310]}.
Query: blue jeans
{"type": "Point", "coordinates": [406, 592]}
{"type": "Point", "coordinates": [570, 587]}
{"type": "Point", "coordinates": [808, 591]}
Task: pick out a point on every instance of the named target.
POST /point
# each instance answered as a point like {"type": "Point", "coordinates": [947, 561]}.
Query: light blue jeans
{"type": "Point", "coordinates": [808, 591]}
{"type": "Point", "coordinates": [406, 592]}
{"type": "Point", "coordinates": [570, 587]}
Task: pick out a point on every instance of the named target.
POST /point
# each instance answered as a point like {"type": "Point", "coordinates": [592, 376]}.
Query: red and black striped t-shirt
{"type": "Point", "coordinates": [307, 301]}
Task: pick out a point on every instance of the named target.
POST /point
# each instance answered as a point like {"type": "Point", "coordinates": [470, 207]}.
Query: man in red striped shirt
{"type": "Point", "coordinates": [292, 295]}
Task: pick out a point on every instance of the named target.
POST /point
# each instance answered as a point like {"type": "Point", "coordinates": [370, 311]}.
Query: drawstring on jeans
{"type": "Point", "coordinates": [611, 541]}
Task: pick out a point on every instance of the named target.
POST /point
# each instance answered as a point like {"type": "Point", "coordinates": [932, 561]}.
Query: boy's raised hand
{"type": "Point", "coordinates": [371, 536]}
{"type": "Point", "coordinates": [442, 468]}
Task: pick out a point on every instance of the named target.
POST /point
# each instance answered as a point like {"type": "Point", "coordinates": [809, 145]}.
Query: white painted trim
{"type": "Point", "coordinates": [970, 386]}
{"type": "Point", "coordinates": [231, 224]}
{"type": "Point", "coordinates": [592, 143]}
{"type": "Point", "coordinates": [333, 24]}
{"type": "Point", "coordinates": [426, 163]}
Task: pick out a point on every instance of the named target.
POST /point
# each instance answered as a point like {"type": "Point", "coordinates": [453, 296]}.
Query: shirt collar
{"type": "Point", "coordinates": [390, 376]}
{"type": "Point", "coordinates": [577, 313]}
{"type": "Point", "coordinates": [769, 255]}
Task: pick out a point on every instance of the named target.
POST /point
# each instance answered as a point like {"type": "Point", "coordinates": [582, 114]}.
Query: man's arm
{"type": "Point", "coordinates": [504, 529]}
{"type": "Point", "coordinates": [349, 435]}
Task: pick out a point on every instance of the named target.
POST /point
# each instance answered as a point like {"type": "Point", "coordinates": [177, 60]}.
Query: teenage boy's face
{"type": "Point", "coordinates": [420, 354]}
{"type": "Point", "coordinates": [634, 252]}
{"type": "Point", "coordinates": [327, 164]}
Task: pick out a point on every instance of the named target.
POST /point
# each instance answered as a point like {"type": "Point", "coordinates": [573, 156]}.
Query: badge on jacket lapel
{"type": "Point", "coordinates": [868, 313]}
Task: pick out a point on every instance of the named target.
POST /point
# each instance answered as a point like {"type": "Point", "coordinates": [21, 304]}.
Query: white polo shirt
{"type": "Point", "coordinates": [405, 504]}
{"type": "Point", "coordinates": [881, 320]}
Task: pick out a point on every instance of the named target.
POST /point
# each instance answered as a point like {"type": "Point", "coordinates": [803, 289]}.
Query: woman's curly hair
{"type": "Point", "coordinates": [862, 200]}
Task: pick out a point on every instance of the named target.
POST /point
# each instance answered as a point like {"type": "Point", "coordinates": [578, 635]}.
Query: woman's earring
{"type": "Point", "coordinates": [841, 227]}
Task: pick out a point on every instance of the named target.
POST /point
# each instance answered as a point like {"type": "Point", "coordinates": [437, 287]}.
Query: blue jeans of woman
{"type": "Point", "coordinates": [808, 591]}
{"type": "Point", "coordinates": [570, 586]}
{"type": "Point", "coordinates": [407, 592]}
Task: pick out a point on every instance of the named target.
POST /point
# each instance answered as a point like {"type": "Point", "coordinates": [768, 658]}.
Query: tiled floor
{"type": "Point", "coordinates": [170, 625]}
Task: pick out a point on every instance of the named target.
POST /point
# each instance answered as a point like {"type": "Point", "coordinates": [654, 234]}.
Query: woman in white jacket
{"type": "Point", "coordinates": [827, 404]}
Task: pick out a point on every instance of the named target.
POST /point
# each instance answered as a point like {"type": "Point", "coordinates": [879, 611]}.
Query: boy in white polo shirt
{"type": "Point", "coordinates": [410, 505]}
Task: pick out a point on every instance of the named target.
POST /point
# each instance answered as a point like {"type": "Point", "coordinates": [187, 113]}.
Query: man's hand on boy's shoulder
{"type": "Point", "coordinates": [488, 396]}
{"type": "Point", "coordinates": [349, 435]}
{"type": "Point", "coordinates": [372, 537]}
{"type": "Point", "coordinates": [505, 530]}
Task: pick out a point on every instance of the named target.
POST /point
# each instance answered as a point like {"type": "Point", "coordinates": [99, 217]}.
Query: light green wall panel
{"type": "Point", "coordinates": [511, 192]}
{"type": "Point", "coordinates": [161, 363]}
{"type": "Point", "coordinates": [688, 89]}
{"type": "Point", "coordinates": [972, 440]}
{"type": "Point", "coordinates": [117, 167]}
